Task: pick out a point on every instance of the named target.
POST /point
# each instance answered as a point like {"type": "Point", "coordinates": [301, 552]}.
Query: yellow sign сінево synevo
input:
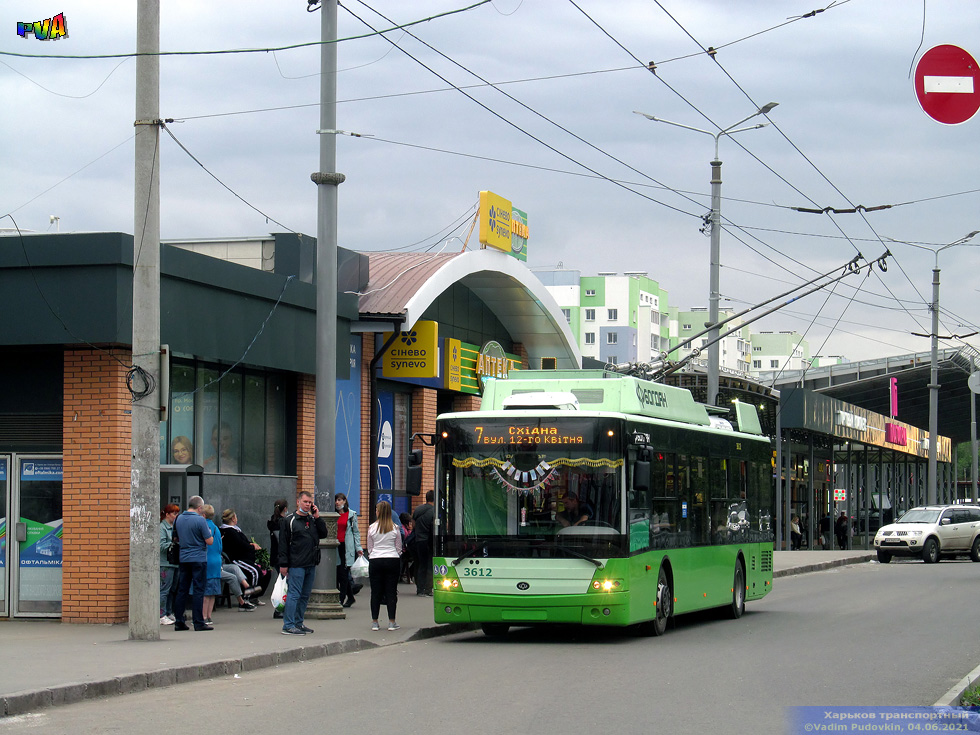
{"type": "Point", "coordinates": [495, 221]}
{"type": "Point", "coordinates": [415, 354]}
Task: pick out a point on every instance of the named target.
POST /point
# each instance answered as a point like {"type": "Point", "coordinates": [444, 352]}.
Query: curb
{"type": "Point", "coordinates": [820, 566]}
{"type": "Point", "coordinates": [19, 703]}
{"type": "Point", "coordinates": [952, 697]}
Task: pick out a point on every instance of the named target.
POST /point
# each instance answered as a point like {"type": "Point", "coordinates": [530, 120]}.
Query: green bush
{"type": "Point", "coordinates": [971, 697]}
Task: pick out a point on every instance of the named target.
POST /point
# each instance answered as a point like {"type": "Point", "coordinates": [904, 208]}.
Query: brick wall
{"type": "Point", "coordinates": [96, 427]}
{"type": "Point", "coordinates": [305, 436]}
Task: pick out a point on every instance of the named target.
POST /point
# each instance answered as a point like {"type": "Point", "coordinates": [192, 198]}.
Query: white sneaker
{"type": "Point", "coordinates": [167, 620]}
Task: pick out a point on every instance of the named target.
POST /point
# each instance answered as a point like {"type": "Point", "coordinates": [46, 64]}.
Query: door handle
{"type": "Point", "coordinates": [20, 529]}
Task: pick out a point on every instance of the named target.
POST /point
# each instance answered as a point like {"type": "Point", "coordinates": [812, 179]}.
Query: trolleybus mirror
{"type": "Point", "coordinates": [641, 473]}
{"type": "Point", "coordinates": [413, 481]}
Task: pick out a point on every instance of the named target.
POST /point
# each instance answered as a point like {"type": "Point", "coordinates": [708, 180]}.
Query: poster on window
{"type": "Point", "coordinates": [386, 433]}
{"type": "Point", "coordinates": [348, 467]}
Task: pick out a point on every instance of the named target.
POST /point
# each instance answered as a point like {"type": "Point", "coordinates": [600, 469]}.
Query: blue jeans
{"type": "Point", "coordinates": [299, 586]}
{"type": "Point", "coordinates": [193, 577]}
{"type": "Point", "coordinates": [168, 590]}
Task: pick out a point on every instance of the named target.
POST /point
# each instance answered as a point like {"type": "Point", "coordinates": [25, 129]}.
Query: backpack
{"type": "Point", "coordinates": [173, 553]}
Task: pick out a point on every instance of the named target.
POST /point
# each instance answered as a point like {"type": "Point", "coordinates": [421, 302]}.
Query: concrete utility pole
{"type": "Point", "coordinates": [144, 550]}
{"type": "Point", "coordinates": [327, 180]}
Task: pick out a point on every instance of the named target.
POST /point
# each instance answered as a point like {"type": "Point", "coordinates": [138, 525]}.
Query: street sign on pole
{"type": "Point", "coordinates": [947, 84]}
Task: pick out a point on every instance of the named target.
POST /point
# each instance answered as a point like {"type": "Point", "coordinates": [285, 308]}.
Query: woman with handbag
{"type": "Point", "coordinates": [274, 523]}
{"type": "Point", "coordinates": [348, 549]}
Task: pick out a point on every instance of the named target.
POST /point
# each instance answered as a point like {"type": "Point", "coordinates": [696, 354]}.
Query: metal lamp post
{"type": "Point", "coordinates": [931, 478]}
{"type": "Point", "coordinates": [714, 295]}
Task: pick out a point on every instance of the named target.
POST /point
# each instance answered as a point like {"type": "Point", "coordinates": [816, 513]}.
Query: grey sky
{"type": "Point", "coordinates": [841, 78]}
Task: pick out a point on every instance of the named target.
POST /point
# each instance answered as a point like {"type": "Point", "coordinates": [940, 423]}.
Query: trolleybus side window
{"type": "Point", "coordinates": [663, 512]}
{"type": "Point", "coordinates": [698, 510]}
{"type": "Point", "coordinates": [639, 506]}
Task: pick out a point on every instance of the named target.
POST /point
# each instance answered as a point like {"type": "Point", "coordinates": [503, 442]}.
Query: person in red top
{"type": "Point", "coordinates": [348, 549]}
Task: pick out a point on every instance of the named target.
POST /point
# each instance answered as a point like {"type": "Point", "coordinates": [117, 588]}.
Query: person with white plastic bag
{"type": "Point", "coordinates": [348, 549]}
{"type": "Point", "coordinates": [299, 553]}
{"type": "Point", "coordinates": [279, 591]}
{"type": "Point", "coordinates": [384, 554]}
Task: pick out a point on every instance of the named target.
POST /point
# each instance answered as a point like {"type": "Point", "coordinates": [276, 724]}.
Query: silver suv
{"type": "Point", "coordinates": [932, 532]}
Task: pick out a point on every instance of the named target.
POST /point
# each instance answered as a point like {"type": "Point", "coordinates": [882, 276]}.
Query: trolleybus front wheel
{"type": "Point", "coordinates": [495, 630]}
{"type": "Point", "coordinates": [665, 606]}
{"type": "Point", "coordinates": [738, 592]}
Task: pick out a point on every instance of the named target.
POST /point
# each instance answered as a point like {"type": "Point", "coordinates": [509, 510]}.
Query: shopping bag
{"type": "Point", "coordinates": [279, 594]}
{"type": "Point", "coordinates": [359, 569]}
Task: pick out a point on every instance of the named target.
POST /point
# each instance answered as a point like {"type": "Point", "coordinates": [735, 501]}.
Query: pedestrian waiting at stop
{"type": "Point", "coordinates": [840, 530]}
{"type": "Point", "coordinates": [384, 543]}
{"type": "Point", "coordinates": [348, 549]}
{"type": "Point", "coordinates": [299, 554]}
{"type": "Point", "coordinates": [195, 537]}
{"type": "Point", "coordinates": [168, 571]}
{"type": "Point", "coordinates": [795, 535]}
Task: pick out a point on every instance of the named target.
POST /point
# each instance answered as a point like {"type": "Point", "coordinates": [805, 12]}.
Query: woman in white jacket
{"type": "Point", "coordinates": [384, 557]}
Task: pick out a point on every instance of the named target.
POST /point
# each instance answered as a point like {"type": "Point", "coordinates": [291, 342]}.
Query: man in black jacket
{"type": "Point", "coordinates": [299, 553]}
{"type": "Point", "coordinates": [422, 518]}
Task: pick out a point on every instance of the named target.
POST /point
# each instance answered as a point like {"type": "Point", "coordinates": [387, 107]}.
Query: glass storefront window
{"type": "Point", "coordinates": [253, 428]}
{"type": "Point", "coordinates": [237, 424]}
{"type": "Point", "coordinates": [275, 425]}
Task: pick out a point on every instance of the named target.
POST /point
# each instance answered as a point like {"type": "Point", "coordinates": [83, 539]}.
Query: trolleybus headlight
{"type": "Point", "coordinates": [607, 585]}
{"type": "Point", "coordinates": [448, 584]}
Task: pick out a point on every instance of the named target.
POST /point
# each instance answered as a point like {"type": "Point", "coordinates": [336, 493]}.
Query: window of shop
{"type": "Point", "coordinates": [233, 425]}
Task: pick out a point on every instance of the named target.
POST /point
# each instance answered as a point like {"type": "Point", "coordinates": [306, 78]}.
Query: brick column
{"type": "Point", "coordinates": [521, 351]}
{"type": "Point", "coordinates": [424, 414]}
{"type": "Point", "coordinates": [466, 402]}
{"type": "Point", "coordinates": [97, 451]}
{"type": "Point", "coordinates": [367, 354]}
{"type": "Point", "coordinates": [305, 435]}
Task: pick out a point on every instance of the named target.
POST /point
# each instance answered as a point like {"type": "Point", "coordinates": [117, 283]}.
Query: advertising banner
{"type": "Point", "coordinates": [495, 221]}
{"type": "Point", "coordinates": [415, 354]}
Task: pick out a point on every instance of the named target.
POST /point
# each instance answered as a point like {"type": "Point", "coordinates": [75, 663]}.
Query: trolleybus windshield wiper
{"type": "Point", "coordinates": [468, 552]}
{"type": "Point", "coordinates": [580, 555]}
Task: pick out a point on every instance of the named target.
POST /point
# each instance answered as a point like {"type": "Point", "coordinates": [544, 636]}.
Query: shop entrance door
{"type": "Point", "coordinates": [31, 555]}
{"type": "Point", "coordinates": [5, 509]}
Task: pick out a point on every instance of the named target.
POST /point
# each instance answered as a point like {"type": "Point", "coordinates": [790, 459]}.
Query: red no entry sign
{"type": "Point", "coordinates": [947, 84]}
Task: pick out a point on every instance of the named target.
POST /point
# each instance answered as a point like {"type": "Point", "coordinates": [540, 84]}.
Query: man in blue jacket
{"type": "Point", "coordinates": [299, 553]}
{"type": "Point", "coordinates": [194, 537]}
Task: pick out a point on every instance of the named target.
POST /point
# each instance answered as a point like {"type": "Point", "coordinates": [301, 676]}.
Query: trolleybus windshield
{"type": "Point", "coordinates": [532, 487]}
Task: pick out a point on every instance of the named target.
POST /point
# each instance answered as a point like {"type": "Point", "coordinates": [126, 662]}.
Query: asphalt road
{"type": "Point", "coordinates": [870, 634]}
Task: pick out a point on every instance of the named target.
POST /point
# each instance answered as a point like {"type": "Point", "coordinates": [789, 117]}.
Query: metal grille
{"type": "Point", "coordinates": [30, 432]}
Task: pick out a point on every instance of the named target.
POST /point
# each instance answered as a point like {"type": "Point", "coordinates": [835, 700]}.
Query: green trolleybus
{"type": "Point", "coordinates": [594, 498]}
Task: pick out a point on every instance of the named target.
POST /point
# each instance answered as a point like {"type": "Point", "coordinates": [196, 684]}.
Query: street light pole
{"type": "Point", "coordinates": [931, 477]}
{"type": "Point", "coordinates": [714, 295]}
{"type": "Point", "coordinates": [931, 489]}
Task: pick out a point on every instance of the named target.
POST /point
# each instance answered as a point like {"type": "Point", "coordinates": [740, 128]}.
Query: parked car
{"type": "Point", "coordinates": [932, 532]}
